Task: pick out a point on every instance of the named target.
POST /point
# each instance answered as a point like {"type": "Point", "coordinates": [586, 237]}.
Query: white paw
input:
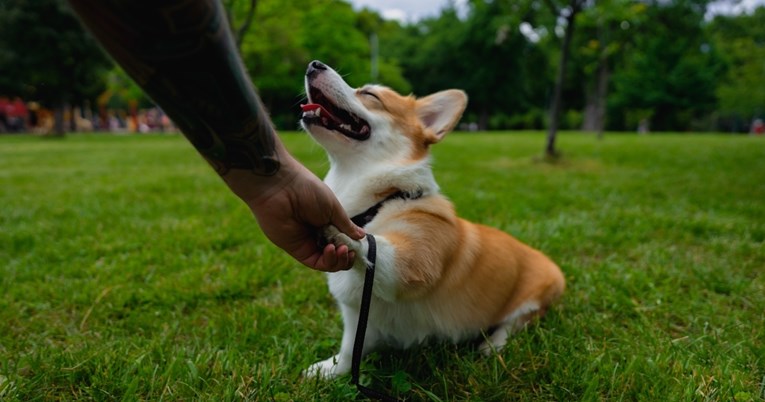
{"type": "Point", "coordinates": [487, 348]}
{"type": "Point", "coordinates": [334, 236]}
{"type": "Point", "coordinates": [495, 342]}
{"type": "Point", "coordinates": [326, 369]}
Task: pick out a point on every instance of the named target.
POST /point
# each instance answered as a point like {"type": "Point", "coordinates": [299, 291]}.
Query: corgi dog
{"type": "Point", "coordinates": [437, 276]}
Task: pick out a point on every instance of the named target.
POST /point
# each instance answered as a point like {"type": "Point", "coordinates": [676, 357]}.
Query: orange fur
{"type": "Point", "coordinates": [479, 273]}
{"type": "Point", "coordinates": [402, 111]}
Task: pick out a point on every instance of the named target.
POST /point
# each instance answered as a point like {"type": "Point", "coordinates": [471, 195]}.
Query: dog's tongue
{"type": "Point", "coordinates": [311, 106]}
{"type": "Point", "coordinates": [320, 110]}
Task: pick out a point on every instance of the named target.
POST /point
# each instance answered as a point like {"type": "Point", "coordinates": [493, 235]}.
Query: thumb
{"type": "Point", "coordinates": [344, 224]}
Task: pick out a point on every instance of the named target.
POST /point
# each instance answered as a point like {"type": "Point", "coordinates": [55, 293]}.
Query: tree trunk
{"type": "Point", "coordinates": [557, 102]}
{"type": "Point", "coordinates": [595, 110]}
{"type": "Point", "coordinates": [483, 119]}
{"type": "Point", "coordinates": [604, 74]}
{"type": "Point", "coordinates": [72, 112]}
{"type": "Point", "coordinates": [58, 120]}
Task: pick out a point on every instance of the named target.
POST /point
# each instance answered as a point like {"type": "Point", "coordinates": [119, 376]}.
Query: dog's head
{"type": "Point", "coordinates": [374, 123]}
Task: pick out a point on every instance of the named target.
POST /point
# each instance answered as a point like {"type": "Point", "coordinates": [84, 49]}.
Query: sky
{"type": "Point", "coordinates": [406, 10]}
{"type": "Point", "coordinates": [413, 10]}
{"type": "Point", "coordinates": [732, 7]}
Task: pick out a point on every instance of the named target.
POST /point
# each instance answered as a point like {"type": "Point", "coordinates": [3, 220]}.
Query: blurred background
{"type": "Point", "coordinates": [615, 65]}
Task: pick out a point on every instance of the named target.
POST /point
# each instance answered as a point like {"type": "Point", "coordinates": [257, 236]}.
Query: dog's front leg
{"type": "Point", "coordinates": [386, 280]}
{"type": "Point", "coordinates": [340, 363]}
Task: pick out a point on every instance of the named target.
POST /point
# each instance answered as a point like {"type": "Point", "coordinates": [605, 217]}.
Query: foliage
{"type": "Point", "coordinates": [145, 279]}
{"type": "Point", "coordinates": [121, 90]}
{"type": "Point", "coordinates": [45, 54]}
{"type": "Point", "coordinates": [277, 53]}
{"type": "Point", "coordinates": [427, 52]}
{"type": "Point", "coordinates": [670, 70]}
{"type": "Point", "coordinates": [390, 72]}
{"type": "Point", "coordinates": [741, 40]}
{"type": "Point", "coordinates": [657, 61]}
{"type": "Point", "coordinates": [604, 37]}
{"type": "Point", "coordinates": [484, 54]}
{"type": "Point", "coordinates": [240, 15]}
{"type": "Point", "coordinates": [606, 31]}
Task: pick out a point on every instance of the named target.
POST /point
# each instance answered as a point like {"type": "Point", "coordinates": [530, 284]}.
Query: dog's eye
{"type": "Point", "coordinates": [370, 94]}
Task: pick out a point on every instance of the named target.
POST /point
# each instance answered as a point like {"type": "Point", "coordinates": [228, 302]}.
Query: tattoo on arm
{"type": "Point", "coordinates": [182, 54]}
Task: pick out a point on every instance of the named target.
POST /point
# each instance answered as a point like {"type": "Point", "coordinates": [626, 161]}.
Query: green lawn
{"type": "Point", "coordinates": [129, 272]}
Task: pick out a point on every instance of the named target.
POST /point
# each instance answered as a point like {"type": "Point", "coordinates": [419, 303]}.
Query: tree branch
{"type": "Point", "coordinates": [246, 24]}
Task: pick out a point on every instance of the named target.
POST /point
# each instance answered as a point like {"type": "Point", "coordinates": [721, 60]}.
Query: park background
{"type": "Point", "coordinates": [128, 271]}
{"type": "Point", "coordinates": [618, 65]}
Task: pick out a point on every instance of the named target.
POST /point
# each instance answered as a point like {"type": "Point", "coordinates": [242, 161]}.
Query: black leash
{"type": "Point", "coordinates": [361, 329]}
{"type": "Point", "coordinates": [362, 220]}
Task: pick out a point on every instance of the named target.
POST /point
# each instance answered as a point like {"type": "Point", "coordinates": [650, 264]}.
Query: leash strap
{"type": "Point", "coordinates": [361, 328]}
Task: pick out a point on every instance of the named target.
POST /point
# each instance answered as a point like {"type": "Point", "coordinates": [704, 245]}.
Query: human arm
{"type": "Point", "coordinates": [183, 56]}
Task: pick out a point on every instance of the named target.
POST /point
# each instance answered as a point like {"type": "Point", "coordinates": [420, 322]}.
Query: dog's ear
{"type": "Point", "coordinates": [441, 111]}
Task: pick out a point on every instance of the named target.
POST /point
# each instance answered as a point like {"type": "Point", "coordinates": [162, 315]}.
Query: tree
{"type": "Point", "coordinates": [670, 73]}
{"type": "Point", "coordinates": [741, 41]}
{"type": "Point", "coordinates": [47, 56]}
{"type": "Point", "coordinates": [382, 33]}
{"type": "Point", "coordinates": [496, 62]}
{"type": "Point", "coordinates": [483, 53]}
{"type": "Point", "coordinates": [567, 14]}
{"type": "Point", "coordinates": [428, 52]}
{"type": "Point", "coordinates": [605, 33]}
{"type": "Point", "coordinates": [287, 34]}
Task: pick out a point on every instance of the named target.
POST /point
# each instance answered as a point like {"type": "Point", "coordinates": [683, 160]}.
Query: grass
{"type": "Point", "coordinates": [129, 272]}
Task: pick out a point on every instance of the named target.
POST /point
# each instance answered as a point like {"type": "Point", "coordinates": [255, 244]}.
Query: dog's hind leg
{"type": "Point", "coordinates": [514, 322]}
{"type": "Point", "coordinates": [544, 286]}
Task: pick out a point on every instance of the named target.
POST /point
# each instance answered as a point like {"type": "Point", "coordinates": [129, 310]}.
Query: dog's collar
{"type": "Point", "coordinates": [365, 217]}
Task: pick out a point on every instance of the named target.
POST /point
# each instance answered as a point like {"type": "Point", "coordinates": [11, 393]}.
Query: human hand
{"type": "Point", "coordinates": [292, 207]}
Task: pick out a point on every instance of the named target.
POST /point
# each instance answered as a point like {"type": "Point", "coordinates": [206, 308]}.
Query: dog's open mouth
{"type": "Point", "coordinates": [326, 114]}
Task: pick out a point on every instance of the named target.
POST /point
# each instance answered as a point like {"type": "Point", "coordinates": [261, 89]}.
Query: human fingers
{"type": "Point", "coordinates": [339, 218]}
{"type": "Point", "coordinates": [339, 259]}
{"type": "Point", "coordinates": [331, 259]}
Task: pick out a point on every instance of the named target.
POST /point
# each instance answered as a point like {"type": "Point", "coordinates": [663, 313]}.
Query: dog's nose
{"type": "Point", "coordinates": [314, 68]}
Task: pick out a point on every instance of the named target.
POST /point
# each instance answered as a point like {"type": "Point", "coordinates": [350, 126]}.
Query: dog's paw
{"type": "Point", "coordinates": [326, 369]}
{"type": "Point", "coordinates": [495, 342]}
{"type": "Point", "coordinates": [487, 348]}
{"type": "Point", "coordinates": [333, 235]}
